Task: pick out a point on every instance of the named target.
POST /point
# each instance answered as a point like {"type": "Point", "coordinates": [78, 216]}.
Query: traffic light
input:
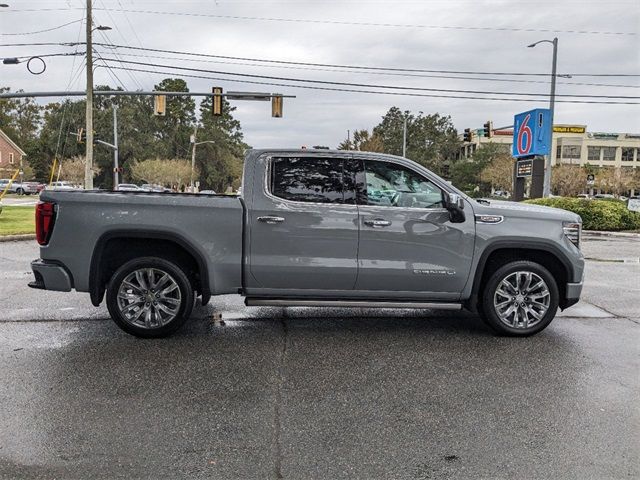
{"type": "Point", "coordinates": [488, 129]}
{"type": "Point", "coordinates": [81, 136]}
{"type": "Point", "coordinates": [216, 101]}
{"type": "Point", "coordinates": [159, 105]}
{"type": "Point", "coordinates": [276, 105]}
{"type": "Point", "coordinates": [467, 135]}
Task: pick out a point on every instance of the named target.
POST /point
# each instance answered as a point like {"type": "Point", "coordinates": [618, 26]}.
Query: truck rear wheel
{"type": "Point", "coordinates": [520, 299]}
{"type": "Point", "coordinates": [149, 297]}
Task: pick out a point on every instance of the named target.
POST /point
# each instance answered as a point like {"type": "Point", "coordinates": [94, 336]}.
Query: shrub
{"type": "Point", "coordinates": [596, 214]}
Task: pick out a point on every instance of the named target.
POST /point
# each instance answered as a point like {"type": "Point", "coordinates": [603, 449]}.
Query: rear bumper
{"type": "Point", "coordinates": [50, 276]}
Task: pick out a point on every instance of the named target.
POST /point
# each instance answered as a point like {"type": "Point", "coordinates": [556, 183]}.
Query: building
{"type": "Point", "coordinates": [573, 145]}
{"type": "Point", "coordinates": [11, 156]}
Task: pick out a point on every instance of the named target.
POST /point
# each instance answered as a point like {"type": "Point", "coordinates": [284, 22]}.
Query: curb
{"type": "Point", "coordinates": [597, 233]}
{"type": "Point", "coordinates": [17, 238]}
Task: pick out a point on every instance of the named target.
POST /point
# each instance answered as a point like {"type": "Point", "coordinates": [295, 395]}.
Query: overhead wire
{"type": "Point", "coordinates": [361, 67]}
{"type": "Point", "coordinates": [409, 75]}
{"type": "Point", "coordinates": [405, 94]}
{"type": "Point", "coordinates": [42, 31]}
{"type": "Point", "coordinates": [363, 85]}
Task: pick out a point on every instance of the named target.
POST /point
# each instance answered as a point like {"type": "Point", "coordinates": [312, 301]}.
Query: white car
{"type": "Point", "coordinates": [62, 186]}
{"type": "Point", "coordinates": [129, 187]}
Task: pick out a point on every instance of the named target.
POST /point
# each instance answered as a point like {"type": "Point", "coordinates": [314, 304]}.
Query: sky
{"type": "Point", "coordinates": [487, 39]}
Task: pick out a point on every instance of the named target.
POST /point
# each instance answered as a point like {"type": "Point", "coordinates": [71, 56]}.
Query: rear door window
{"type": "Point", "coordinates": [308, 179]}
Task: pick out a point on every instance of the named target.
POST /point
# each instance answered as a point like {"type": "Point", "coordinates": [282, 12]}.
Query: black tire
{"type": "Point", "coordinates": [159, 266]}
{"type": "Point", "coordinates": [514, 328]}
{"type": "Point", "coordinates": [19, 191]}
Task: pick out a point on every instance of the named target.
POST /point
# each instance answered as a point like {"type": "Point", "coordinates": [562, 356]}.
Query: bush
{"type": "Point", "coordinates": [596, 214]}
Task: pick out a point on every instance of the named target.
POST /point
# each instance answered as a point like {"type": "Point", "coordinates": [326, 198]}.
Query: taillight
{"type": "Point", "coordinates": [45, 218]}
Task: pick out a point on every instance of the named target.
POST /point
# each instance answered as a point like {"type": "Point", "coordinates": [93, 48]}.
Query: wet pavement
{"type": "Point", "coordinates": [320, 393]}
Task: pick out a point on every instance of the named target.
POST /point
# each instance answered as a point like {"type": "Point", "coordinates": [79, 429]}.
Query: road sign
{"type": "Point", "coordinates": [532, 133]}
{"type": "Point", "coordinates": [591, 179]}
{"type": "Point", "coordinates": [633, 204]}
{"type": "Point", "coordinates": [524, 168]}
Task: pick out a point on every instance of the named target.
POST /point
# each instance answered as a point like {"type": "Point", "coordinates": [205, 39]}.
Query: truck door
{"type": "Point", "coordinates": [303, 223]}
{"type": "Point", "coordinates": [408, 245]}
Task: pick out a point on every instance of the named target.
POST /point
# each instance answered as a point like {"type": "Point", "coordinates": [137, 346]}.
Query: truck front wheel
{"type": "Point", "coordinates": [149, 297]}
{"type": "Point", "coordinates": [520, 299]}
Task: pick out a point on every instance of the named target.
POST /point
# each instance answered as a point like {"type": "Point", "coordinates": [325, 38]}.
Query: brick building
{"type": "Point", "coordinates": [11, 155]}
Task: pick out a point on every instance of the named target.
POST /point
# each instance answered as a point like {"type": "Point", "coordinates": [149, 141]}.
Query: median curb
{"type": "Point", "coordinates": [596, 233]}
{"type": "Point", "coordinates": [17, 238]}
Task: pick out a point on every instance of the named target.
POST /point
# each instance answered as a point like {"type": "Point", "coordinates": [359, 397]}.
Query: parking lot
{"type": "Point", "coordinates": [321, 393]}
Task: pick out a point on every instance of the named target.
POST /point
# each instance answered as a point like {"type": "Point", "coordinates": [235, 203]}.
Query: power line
{"type": "Point", "coordinates": [319, 69]}
{"type": "Point", "coordinates": [310, 87]}
{"type": "Point", "coordinates": [363, 85]}
{"type": "Point", "coordinates": [370, 24]}
{"type": "Point", "coordinates": [361, 67]}
{"type": "Point", "coordinates": [338, 22]}
{"type": "Point", "coordinates": [43, 31]}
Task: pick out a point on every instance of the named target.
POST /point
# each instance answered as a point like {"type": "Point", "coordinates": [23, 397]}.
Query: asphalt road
{"type": "Point", "coordinates": [313, 393]}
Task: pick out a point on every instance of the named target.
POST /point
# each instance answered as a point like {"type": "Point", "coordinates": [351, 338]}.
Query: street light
{"type": "Point", "coordinates": [4, 5]}
{"type": "Point", "coordinates": [546, 189]}
{"type": "Point", "coordinates": [102, 28]}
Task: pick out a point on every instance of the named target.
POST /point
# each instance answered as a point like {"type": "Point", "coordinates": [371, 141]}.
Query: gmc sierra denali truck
{"type": "Point", "coordinates": [312, 228]}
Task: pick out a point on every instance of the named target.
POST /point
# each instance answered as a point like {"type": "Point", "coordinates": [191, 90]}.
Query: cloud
{"type": "Point", "coordinates": [323, 117]}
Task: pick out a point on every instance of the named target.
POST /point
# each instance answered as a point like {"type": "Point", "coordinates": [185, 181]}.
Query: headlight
{"type": "Point", "coordinates": [572, 231]}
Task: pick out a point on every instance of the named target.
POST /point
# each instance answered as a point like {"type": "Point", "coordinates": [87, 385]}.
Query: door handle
{"type": "Point", "coordinates": [271, 220]}
{"type": "Point", "coordinates": [377, 222]}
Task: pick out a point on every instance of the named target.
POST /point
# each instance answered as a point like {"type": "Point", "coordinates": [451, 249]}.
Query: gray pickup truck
{"type": "Point", "coordinates": [312, 228]}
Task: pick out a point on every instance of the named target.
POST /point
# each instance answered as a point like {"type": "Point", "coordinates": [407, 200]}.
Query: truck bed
{"type": "Point", "coordinates": [209, 225]}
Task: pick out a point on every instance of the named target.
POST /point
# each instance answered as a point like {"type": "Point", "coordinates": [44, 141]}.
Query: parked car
{"type": "Point", "coordinates": [207, 192]}
{"type": "Point", "coordinates": [307, 232]}
{"type": "Point", "coordinates": [62, 186]}
{"type": "Point", "coordinates": [148, 187]}
{"type": "Point", "coordinates": [21, 188]}
{"type": "Point", "coordinates": [584, 196]}
{"type": "Point", "coordinates": [129, 187]}
{"type": "Point", "coordinates": [600, 196]}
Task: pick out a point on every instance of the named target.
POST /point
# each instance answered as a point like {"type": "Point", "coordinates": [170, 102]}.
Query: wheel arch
{"type": "Point", "coordinates": [139, 244]}
{"type": "Point", "coordinates": [500, 253]}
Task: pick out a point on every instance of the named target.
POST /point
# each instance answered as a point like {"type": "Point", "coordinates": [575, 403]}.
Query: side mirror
{"type": "Point", "coordinates": [455, 204]}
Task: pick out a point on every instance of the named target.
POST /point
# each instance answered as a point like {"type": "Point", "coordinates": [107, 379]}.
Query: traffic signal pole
{"type": "Point", "coordinates": [115, 150]}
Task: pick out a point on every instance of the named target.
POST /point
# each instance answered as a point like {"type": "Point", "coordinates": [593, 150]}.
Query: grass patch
{"type": "Point", "coordinates": [17, 220]}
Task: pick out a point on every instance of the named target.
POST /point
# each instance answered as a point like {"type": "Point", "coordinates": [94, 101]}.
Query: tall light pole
{"type": "Point", "coordinates": [193, 155]}
{"type": "Point", "coordinates": [546, 189]}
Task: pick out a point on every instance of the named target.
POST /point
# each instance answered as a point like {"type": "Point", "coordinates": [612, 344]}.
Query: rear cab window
{"type": "Point", "coordinates": [311, 179]}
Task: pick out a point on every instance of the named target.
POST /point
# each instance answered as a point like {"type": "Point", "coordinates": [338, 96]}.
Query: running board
{"type": "Point", "coordinates": [268, 302]}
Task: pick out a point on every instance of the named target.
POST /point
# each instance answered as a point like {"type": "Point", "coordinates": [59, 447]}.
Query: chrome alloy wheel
{"type": "Point", "coordinates": [522, 299]}
{"type": "Point", "coordinates": [149, 298]}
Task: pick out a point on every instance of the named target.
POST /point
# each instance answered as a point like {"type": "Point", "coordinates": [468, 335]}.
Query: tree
{"type": "Point", "coordinates": [72, 170]}
{"type": "Point", "coordinates": [363, 141]}
{"type": "Point", "coordinates": [175, 172]}
{"type": "Point", "coordinates": [432, 140]}
{"type": "Point", "coordinates": [220, 162]}
{"type": "Point", "coordinates": [614, 180]}
{"type": "Point", "coordinates": [568, 180]}
{"type": "Point", "coordinates": [466, 173]}
{"type": "Point", "coordinates": [499, 173]}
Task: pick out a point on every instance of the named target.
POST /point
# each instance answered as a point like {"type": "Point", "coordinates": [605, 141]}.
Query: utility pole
{"type": "Point", "coordinates": [404, 138]}
{"type": "Point", "coordinates": [115, 150]}
{"type": "Point", "coordinates": [88, 167]}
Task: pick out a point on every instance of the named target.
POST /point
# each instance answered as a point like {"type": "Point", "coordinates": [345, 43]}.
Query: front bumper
{"type": "Point", "coordinates": [50, 276]}
{"type": "Point", "coordinates": [572, 295]}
